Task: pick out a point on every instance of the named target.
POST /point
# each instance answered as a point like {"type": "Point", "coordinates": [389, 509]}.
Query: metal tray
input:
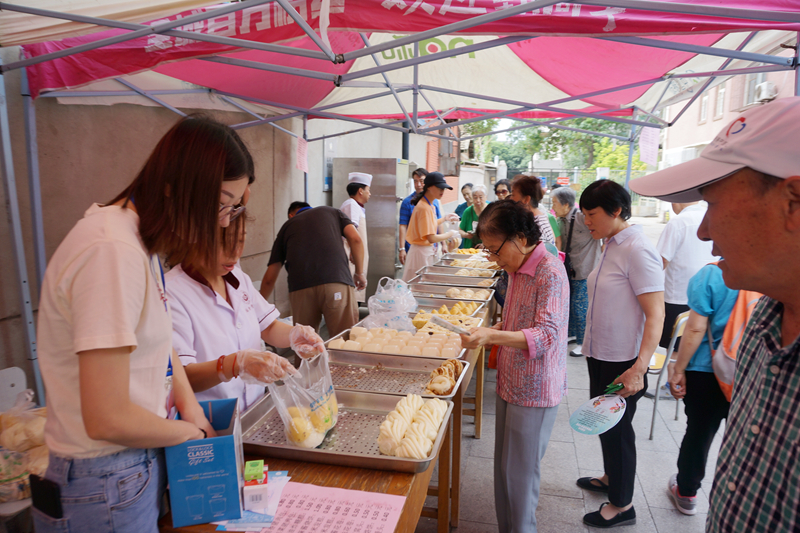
{"type": "Point", "coordinates": [449, 264]}
{"type": "Point", "coordinates": [345, 335]}
{"type": "Point", "coordinates": [453, 281]}
{"type": "Point", "coordinates": [436, 303]}
{"type": "Point", "coordinates": [461, 256]}
{"type": "Point", "coordinates": [446, 270]}
{"type": "Point", "coordinates": [386, 374]}
{"type": "Point", "coordinates": [423, 291]}
{"type": "Point", "coordinates": [352, 442]}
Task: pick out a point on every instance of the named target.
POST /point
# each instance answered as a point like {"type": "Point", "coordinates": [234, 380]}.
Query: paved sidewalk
{"type": "Point", "coordinates": [571, 455]}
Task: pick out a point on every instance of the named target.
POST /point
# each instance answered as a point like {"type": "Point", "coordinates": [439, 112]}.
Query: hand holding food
{"type": "Point", "coordinates": [305, 342]}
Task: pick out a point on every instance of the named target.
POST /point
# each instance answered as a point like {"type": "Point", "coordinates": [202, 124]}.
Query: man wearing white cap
{"type": "Point", "coordinates": [750, 177]}
{"type": "Point", "coordinates": [358, 190]}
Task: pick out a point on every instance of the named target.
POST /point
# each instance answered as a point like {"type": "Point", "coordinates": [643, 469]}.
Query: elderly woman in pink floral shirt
{"type": "Point", "coordinates": [531, 365]}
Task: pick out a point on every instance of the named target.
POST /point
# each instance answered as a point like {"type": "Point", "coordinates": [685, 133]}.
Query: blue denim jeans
{"type": "Point", "coordinates": [117, 493]}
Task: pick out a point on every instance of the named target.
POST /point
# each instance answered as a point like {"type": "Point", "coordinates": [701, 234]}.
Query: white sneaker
{"type": "Point", "coordinates": [685, 504]}
{"type": "Point", "coordinates": [577, 352]}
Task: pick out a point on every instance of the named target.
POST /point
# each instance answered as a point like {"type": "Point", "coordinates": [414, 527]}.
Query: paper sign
{"type": "Point", "coordinates": [302, 154]}
{"type": "Point", "coordinates": [648, 145]}
{"type": "Point", "coordinates": [308, 508]}
{"type": "Point", "coordinates": [598, 415]}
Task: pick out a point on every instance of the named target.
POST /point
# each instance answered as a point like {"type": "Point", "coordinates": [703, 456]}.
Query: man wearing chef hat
{"type": "Point", "coordinates": [750, 177]}
{"type": "Point", "coordinates": [358, 190]}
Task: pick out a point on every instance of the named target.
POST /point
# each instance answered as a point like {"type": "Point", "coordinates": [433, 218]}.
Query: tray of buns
{"type": "Point", "coordinates": [455, 281]}
{"type": "Point", "coordinates": [354, 441]}
{"type": "Point", "coordinates": [438, 268]}
{"type": "Point", "coordinates": [397, 375]}
{"type": "Point", "coordinates": [426, 293]}
{"type": "Point", "coordinates": [403, 344]}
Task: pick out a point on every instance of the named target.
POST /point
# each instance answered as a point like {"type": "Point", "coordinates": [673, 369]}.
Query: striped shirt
{"type": "Point", "coordinates": [757, 482]}
{"type": "Point", "coordinates": [537, 303]}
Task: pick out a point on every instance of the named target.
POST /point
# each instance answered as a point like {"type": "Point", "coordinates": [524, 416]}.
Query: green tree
{"type": "Point", "coordinates": [576, 149]}
{"type": "Point", "coordinates": [481, 144]}
{"type": "Point", "coordinates": [613, 155]}
{"type": "Point", "coordinates": [512, 152]}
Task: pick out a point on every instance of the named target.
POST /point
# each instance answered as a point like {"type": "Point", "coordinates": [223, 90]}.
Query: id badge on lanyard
{"type": "Point", "coordinates": [172, 411]}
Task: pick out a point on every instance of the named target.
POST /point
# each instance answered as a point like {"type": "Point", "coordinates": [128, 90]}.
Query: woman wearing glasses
{"type": "Point", "coordinates": [532, 370]}
{"type": "Point", "coordinates": [219, 320]}
{"type": "Point", "coordinates": [105, 333]}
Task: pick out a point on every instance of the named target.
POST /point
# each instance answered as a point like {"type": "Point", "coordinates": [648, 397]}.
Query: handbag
{"type": "Point", "coordinates": [567, 260]}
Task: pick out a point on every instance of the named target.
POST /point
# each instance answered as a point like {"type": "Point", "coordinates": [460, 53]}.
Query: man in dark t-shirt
{"type": "Point", "coordinates": [309, 244]}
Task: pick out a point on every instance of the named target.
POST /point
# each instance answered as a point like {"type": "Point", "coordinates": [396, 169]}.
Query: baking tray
{"type": "Point", "coordinates": [453, 281]}
{"type": "Point", "coordinates": [446, 270]}
{"type": "Point", "coordinates": [352, 442]}
{"type": "Point", "coordinates": [451, 255]}
{"type": "Point", "coordinates": [386, 374]}
{"type": "Point", "coordinates": [423, 291]}
{"type": "Point", "coordinates": [449, 264]}
{"type": "Point", "coordinates": [435, 303]}
{"type": "Point", "coordinates": [345, 335]}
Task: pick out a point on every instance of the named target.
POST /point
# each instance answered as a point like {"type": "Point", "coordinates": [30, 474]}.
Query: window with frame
{"type": "Point", "coordinates": [704, 108]}
{"type": "Point", "coordinates": [719, 108]}
{"type": "Point", "coordinates": [750, 84]}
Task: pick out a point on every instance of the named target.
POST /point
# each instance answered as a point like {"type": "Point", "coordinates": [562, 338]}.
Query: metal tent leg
{"type": "Point", "coordinates": [631, 146]}
{"type": "Point", "coordinates": [18, 247]}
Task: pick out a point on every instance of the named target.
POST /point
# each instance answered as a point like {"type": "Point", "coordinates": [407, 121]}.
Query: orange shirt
{"type": "Point", "coordinates": [422, 223]}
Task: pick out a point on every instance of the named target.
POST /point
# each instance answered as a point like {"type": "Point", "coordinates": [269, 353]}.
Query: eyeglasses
{"type": "Point", "coordinates": [233, 210]}
{"type": "Point", "coordinates": [502, 193]}
{"type": "Point", "coordinates": [497, 253]}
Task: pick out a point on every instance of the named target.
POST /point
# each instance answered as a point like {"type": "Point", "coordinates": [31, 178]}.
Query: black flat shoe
{"type": "Point", "coordinates": [586, 484]}
{"type": "Point", "coordinates": [595, 519]}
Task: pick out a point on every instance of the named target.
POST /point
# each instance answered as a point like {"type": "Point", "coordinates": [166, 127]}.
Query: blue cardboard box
{"type": "Point", "coordinates": [205, 476]}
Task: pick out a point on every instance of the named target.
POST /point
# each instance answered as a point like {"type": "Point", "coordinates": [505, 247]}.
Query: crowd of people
{"type": "Point", "coordinates": [124, 346]}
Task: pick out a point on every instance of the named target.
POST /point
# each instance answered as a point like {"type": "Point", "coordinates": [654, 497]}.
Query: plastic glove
{"type": "Point", "coordinates": [305, 342]}
{"type": "Point", "coordinates": [452, 217]}
{"type": "Point", "coordinates": [452, 234]}
{"type": "Point", "coordinates": [257, 368]}
{"type": "Point", "coordinates": [360, 281]}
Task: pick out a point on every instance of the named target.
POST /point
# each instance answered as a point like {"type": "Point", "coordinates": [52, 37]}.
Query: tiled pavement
{"type": "Point", "coordinates": [571, 455]}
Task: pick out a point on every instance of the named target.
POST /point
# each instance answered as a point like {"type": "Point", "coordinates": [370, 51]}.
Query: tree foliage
{"type": "Point", "coordinates": [481, 144]}
{"type": "Point", "coordinates": [613, 155]}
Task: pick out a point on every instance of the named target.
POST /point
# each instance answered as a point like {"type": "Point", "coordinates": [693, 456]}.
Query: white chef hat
{"type": "Point", "coordinates": [360, 177]}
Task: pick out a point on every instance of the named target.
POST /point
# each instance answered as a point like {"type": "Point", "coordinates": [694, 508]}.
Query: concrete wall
{"type": "Point", "coordinates": [89, 153]}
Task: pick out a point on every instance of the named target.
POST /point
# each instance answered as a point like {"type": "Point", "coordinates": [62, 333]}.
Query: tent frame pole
{"type": "Point", "coordinates": [144, 93]}
{"type": "Point", "coordinates": [416, 88]}
{"type": "Point", "coordinates": [305, 172]}
{"type": "Point", "coordinates": [630, 155]}
{"type": "Point", "coordinates": [242, 108]}
{"type": "Point", "coordinates": [702, 10]}
{"type": "Point", "coordinates": [797, 66]}
{"type": "Point", "coordinates": [17, 243]}
{"type": "Point", "coordinates": [34, 183]}
{"type": "Point", "coordinates": [137, 30]}
{"type": "Point", "coordinates": [300, 21]}
{"type": "Point", "coordinates": [325, 76]}
{"type": "Point", "coordinates": [83, 94]}
{"type": "Point", "coordinates": [391, 87]}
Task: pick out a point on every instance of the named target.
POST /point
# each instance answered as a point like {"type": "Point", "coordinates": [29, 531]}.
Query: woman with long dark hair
{"type": "Point", "coordinates": [105, 332]}
{"type": "Point", "coordinates": [423, 226]}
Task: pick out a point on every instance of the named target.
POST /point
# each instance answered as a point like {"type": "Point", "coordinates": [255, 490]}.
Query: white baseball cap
{"type": "Point", "coordinates": [360, 177]}
{"type": "Point", "coordinates": [764, 139]}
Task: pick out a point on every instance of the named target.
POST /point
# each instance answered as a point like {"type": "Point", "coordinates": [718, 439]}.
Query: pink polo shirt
{"type": "Point", "coordinates": [537, 303]}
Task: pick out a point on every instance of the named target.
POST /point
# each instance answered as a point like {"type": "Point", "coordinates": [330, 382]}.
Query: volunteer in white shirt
{"type": "Point", "coordinates": [358, 188]}
{"type": "Point", "coordinates": [683, 255]}
{"type": "Point", "coordinates": [105, 334]}
{"type": "Point", "coordinates": [218, 322]}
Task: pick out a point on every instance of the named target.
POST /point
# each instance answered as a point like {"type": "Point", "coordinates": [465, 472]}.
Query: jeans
{"type": "Point", "coordinates": [118, 493]}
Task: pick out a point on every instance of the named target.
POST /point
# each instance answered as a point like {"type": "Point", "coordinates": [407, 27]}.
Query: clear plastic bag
{"type": "Point", "coordinates": [390, 305]}
{"type": "Point", "coordinates": [23, 425]}
{"type": "Point", "coordinates": [450, 245]}
{"type": "Point", "coordinates": [306, 402]}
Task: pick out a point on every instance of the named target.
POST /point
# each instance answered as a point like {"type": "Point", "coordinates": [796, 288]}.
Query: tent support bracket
{"type": "Point", "coordinates": [17, 243]}
{"type": "Point", "coordinates": [300, 21]}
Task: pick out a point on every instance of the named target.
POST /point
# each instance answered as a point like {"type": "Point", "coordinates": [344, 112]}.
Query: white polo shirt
{"type": "Point", "coordinates": [629, 266]}
{"type": "Point", "coordinates": [686, 253]}
{"type": "Point", "coordinates": [100, 291]}
{"type": "Point", "coordinates": [205, 326]}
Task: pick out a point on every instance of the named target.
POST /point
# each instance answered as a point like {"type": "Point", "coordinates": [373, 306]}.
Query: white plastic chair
{"type": "Point", "coordinates": [677, 332]}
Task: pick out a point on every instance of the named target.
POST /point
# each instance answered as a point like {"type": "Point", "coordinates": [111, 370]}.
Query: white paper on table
{"type": "Point", "coordinates": [306, 507]}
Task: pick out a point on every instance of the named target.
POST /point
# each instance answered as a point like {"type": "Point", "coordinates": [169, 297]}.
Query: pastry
{"type": "Point", "coordinates": [391, 434]}
{"type": "Point", "coordinates": [414, 446]}
{"type": "Point", "coordinates": [440, 385]}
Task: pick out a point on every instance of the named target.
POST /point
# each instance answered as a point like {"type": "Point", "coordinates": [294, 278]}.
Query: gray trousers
{"type": "Point", "coordinates": [520, 440]}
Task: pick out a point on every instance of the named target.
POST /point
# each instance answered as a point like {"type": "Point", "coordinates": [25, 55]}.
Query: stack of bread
{"type": "Point", "coordinates": [458, 308]}
{"type": "Point", "coordinates": [467, 294]}
{"type": "Point", "coordinates": [443, 379]}
{"type": "Point", "coordinates": [464, 322]}
{"type": "Point", "coordinates": [389, 341]}
{"type": "Point", "coordinates": [469, 251]}
{"type": "Point", "coordinates": [410, 429]}
{"type": "Point", "coordinates": [474, 263]}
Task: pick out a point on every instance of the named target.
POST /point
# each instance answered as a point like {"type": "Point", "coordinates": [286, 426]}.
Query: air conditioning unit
{"type": "Point", "coordinates": [766, 91]}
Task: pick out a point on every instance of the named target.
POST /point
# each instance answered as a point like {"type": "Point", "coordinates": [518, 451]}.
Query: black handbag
{"type": "Point", "coordinates": [567, 260]}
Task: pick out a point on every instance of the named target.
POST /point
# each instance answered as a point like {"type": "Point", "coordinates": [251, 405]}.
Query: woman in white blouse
{"type": "Point", "coordinates": [623, 326]}
{"type": "Point", "coordinates": [219, 320]}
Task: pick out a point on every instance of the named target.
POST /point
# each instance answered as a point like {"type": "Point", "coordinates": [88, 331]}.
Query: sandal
{"type": "Point", "coordinates": [593, 484]}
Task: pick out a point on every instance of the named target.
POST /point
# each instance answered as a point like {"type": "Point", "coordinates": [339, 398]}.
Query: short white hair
{"type": "Point", "coordinates": [479, 188]}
